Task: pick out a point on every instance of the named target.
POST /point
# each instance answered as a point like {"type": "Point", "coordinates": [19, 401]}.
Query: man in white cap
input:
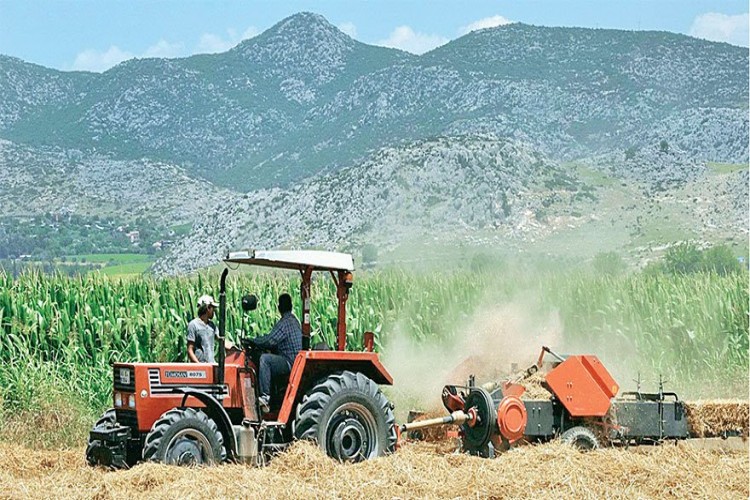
{"type": "Point", "coordinates": [202, 332]}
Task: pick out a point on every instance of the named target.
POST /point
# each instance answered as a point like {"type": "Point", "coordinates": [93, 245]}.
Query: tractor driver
{"type": "Point", "coordinates": [201, 332]}
{"type": "Point", "coordinates": [286, 339]}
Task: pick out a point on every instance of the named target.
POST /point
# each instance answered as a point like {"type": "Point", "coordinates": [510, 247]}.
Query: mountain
{"type": "Point", "coordinates": [444, 185]}
{"type": "Point", "coordinates": [304, 98]}
{"type": "Point", "coordinates": [222, 116]}
{"type": "Point", "coordinates": [480, 191]}
{"type": "Point", "coordinates": [571, 139]}
{"type": "Point", "coordinates": [39, 181]}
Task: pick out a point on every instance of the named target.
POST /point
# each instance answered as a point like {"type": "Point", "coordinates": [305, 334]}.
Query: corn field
{"type": "Point", "coordinates": [62, 334]}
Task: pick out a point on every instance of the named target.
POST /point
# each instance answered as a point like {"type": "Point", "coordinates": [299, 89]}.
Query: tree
{"type": "Point", "coordinates": [663, 146]}
{"type": "Point", "coordinates": [721, 260]}
{"type": "Point", "coordinates": [609, 263]}
{"type": "Point", "coordinates": [684, 258]}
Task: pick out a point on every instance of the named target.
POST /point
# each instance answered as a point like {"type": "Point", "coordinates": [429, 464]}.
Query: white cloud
{"type": "Point", "coordinates": [487, 22]}
{"type": "Point", "coordinates": [250, 32]}
{"type": "Point", "coordinates": [349, 28]}
{"type": "Point", "coordinates": [719, 27]}
{"type": "Point", "coordinates": [163, 48]}
{"type": "Point", "coordinates": [211, 43]}
{"type": "Point", "coordinates": [407, 39]}
{"type": "Point", "coordinates": [94, 60]}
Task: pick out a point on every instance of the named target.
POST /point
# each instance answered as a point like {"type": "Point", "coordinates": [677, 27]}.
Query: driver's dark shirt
{"type": "Point", "coordinates": [285, 337]}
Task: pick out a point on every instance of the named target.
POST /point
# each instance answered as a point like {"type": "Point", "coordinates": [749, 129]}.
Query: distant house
{"type": "Point", "coordinates": [162, 245]}
{"type": "Point", "coordinates": [135, 236]}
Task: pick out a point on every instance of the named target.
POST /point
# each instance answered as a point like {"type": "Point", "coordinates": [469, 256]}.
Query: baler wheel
{"type": "Point", "coordinates": [348, 416]}
{"type": "Point", "coordinates": [185, 436]}
{"type": "Point", "coordinates": [580, 437]}
{"type": "Point", "coordinates": [476, 439]}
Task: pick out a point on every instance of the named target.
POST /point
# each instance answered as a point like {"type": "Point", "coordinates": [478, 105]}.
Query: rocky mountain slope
{"type": "Point", "coordinates": [304, 137]}
{"type": "Point", "coordinates": [51, 180]}
{"type": "Point", "coordinates": [443, 185]}
{"type": "Point", "coordinates": [303, 97]}
{"type": "Point", "coordinates": [480, 191]}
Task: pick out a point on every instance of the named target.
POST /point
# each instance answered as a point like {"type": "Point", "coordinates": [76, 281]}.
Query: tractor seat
{"type": "Point", "coordinates": [321, 346]}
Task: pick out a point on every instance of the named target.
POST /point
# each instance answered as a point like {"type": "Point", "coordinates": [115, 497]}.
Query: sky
{"type": "Point", "coordinates": [95, 35]}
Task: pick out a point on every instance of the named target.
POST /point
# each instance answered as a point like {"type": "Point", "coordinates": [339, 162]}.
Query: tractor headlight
{"type": "Point", "coordinates": [131, 401]}
{"type": "Point", "coordinates": [118, 399]}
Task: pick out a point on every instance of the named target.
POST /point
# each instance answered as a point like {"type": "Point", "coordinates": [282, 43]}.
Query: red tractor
{"type": "Point", "coordinates": [201, 413]}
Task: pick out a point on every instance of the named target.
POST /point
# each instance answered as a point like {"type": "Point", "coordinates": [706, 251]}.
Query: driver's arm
{"type": "Point", "coordinates": [191, 352]}
{"type": "Point", "coordinates": [271, 339]}
{"type": "Point", "coordinates": [191, 344]}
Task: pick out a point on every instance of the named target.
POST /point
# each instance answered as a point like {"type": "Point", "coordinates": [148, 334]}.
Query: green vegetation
{"type": "Point", "coordinates": [60, 335]}
{"type": "Point", "coordinates": [727, 168]}
{"type": "Point", "coordinates": [43, 238]}
{"type": "Point", "coordinates": [110, 258]}
{"type": "Point", "coordinates": [131, 269]}
{"type": "Point", "coordinates": [111, 264]}
{"type": "Point", "coordinates": [609, 263]}
{"type": "Point", "coordinates": [687, 258]}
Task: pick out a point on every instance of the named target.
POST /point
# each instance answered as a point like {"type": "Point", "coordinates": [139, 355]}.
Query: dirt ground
{"type": "Point", "coordinates": [415, 471]}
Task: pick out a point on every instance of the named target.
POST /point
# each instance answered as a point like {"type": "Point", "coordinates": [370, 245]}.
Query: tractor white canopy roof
{"type": "Point", "coordinates": [294, 259]}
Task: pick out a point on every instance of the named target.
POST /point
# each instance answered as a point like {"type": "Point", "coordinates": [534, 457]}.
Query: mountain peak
{"type": "Point", "coordinates": [306, 27]}
{"type": "Point", "coordinates": [304, 19]}
{"type": "Point", "coordinates": [304, 46]}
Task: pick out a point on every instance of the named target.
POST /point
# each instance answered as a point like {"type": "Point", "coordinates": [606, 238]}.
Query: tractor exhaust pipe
{"type": "Point", "coordinates": [458, 417]}
{"type": "Point", "coordinates": [222, 325]}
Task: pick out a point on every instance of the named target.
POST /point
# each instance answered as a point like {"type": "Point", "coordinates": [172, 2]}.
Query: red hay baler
{"type": "Point", "coordinates": [581, 410]}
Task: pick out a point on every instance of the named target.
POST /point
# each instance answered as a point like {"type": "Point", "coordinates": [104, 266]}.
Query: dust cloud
{"type": "Point", "coordinates": [494, 338]}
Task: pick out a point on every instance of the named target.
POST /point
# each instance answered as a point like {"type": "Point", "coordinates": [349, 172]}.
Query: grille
{"type": "Point", "coordinates": [119, 384]}
{"type": "Point", "coordinates": [128, 418]}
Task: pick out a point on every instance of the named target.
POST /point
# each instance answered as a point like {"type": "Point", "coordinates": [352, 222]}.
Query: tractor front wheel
{"type": "Point", "coordinates": [184, 436]}
{"type": "Point", "coordinates": [94, 454]}
{"type": "Point", "coordinates": [580, 437]}
{"type": "Point", "coordinates": [348, 416]}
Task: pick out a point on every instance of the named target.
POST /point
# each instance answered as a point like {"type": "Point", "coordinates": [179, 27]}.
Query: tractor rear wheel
{"type": "Point", "coordinates": [184, 436]}
{"type": "Point", "coordinates": [580, 437]}
{"type": "Point", "coordinates": [348, 416]}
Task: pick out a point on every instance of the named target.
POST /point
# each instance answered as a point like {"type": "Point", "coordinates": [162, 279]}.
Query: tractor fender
{"type": "Point", "coordinates": [310, 366]}
{"type": "Point", "coordinates": [217, 413]}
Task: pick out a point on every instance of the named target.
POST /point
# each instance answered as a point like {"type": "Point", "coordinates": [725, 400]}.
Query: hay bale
{"type": "Point", "coordinates": [536, 387]}
{"type": "Point", "coordinates": [715, 418]}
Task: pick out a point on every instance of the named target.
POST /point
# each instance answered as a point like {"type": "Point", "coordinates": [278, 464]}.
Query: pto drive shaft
{"type": "Point", "coordinates": [457, 417]}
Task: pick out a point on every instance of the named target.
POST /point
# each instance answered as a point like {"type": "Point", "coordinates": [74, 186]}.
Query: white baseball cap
{"type": "Point", "coordinates": [207, 300]}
